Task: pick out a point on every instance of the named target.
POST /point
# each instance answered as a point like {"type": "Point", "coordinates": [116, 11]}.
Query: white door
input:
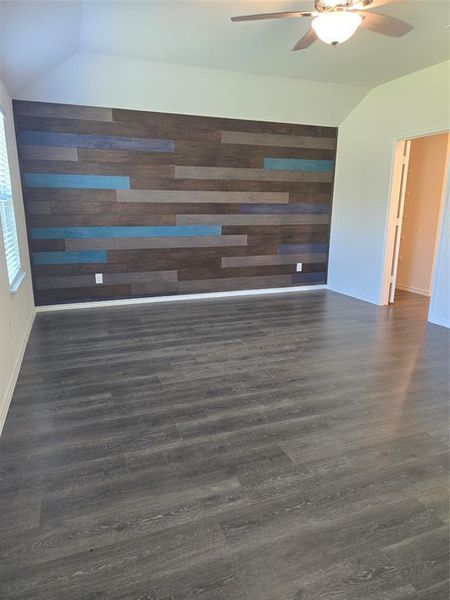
{"type": "Point", "coordinates": [399, 193]}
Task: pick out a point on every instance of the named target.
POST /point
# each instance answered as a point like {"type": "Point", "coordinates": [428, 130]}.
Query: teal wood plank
{"type": "Point", "coordinates": [298, 164]}
{"type": "Point", "coordinates": [56, 233]}
{"type": "Point", "coordinates": [58, 180]}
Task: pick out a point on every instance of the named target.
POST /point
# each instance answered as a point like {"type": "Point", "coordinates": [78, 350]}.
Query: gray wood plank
{"type": "Point", "coordinates": [235, 174]}
{"type": "Point", "coordinates": [275, 139]}
{"type": "Point", "coordinates": [188, 196]}
{"type": "Point", "coordinates": [29, 152]}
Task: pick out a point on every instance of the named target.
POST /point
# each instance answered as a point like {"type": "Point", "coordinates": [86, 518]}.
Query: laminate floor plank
{"type": "Point", "coordinates": [270, 448]}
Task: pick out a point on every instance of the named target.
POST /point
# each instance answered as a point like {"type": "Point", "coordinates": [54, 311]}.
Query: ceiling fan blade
{"type": "Point", "coordinates": [306, 41]}
{"type": "Point", "coordinates": [365, 4]}
{"type": "Point", "coordinates": [276, 15]}
{"type": "Point", "coordinates": [384, 24]}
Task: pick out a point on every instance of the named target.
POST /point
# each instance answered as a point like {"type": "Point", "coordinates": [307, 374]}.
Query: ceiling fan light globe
{"type": "Point", "coordinates": [336, 27]}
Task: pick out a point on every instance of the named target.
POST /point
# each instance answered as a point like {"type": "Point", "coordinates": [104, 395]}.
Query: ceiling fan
{"type": "Point", "coordinates": [335, 21]}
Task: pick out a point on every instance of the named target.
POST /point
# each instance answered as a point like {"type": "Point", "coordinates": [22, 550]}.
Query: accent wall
{"type": "Point", "coordinates": [124, 203]}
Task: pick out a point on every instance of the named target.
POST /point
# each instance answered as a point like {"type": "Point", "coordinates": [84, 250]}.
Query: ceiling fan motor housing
{"type": "Point", "coordinates": [323, 5]}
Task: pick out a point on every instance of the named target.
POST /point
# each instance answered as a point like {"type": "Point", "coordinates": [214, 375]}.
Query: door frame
{"type": "Point", "coordinates": [392, 220]}
{"type": "Point", "coordinates": [396, 206]}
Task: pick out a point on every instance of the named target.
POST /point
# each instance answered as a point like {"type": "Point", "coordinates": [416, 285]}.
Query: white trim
{"type": "Point", "coordinates": [180, 298]}
{"type": "Point", "coordinates": [412, 135]}
{"type": "Point", "coordinates": [352, 294]}
{"type": "Point", "coordinates": [398, 139]}
{"type": "Point", "coordinates": [394, 220]}
{"type": "Point", "coordinates": [441, 220]}
{"type": "Point", "coordinates": [441, 322]}
{"type": "Point", "coordinates": [6, 401]}
{"type": "Point", "coordinates": [413, 290]}
{"type": "Point", "coordinates": [17, 281]}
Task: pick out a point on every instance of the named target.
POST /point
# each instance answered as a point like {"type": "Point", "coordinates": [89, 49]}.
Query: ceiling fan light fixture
{"type": "Point", "coordinates": [336, 27]}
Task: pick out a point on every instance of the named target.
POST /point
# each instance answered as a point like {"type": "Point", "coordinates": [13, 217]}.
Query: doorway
{"type": "Point", "coordinates": [417, 198]}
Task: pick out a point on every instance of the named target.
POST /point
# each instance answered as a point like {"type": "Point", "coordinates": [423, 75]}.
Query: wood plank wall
{"type": "Point", "coordinates": [166, 204]}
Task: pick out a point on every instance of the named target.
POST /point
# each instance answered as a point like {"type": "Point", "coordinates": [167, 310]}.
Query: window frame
{"type": "Point", "coordinates": [19, 276]}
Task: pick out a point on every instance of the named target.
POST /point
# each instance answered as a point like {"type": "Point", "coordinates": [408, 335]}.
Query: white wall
{"type": "Point", "coordinates": [101, 80]}
{"type": "Point", "coordinates": [440, 299]}
{"type": "Point", "coordinates": [427, 172]}
{"type": "Point", "coordinates": [406, 107]}
{"type": "Point", "coordinates": [16, 310]}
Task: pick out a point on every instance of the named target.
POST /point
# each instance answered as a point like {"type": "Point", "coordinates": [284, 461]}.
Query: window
{"type": "Point", "coordinates": [7, 218]}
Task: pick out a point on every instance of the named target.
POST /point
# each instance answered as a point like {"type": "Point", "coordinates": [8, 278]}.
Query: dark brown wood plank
{"type": "Point", "coordinates": [88, 219]}
{"type": "Point", "coordinates": [82, 294]}
{"type": "Point", "coordinates": [91, 168]}
{"type": "Point", "coordinates": [280, 231]}
{"type": "Point", "coordinates": [250, 271]}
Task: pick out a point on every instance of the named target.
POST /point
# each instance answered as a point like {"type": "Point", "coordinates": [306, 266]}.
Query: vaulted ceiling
{"type": "Point", "coordinates": [35, 37]}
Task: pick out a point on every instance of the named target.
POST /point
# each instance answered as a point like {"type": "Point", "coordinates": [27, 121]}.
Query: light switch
{"type": "Point", "coordinates": [299, 267]}
{"type": "Point", "coordinates": [99, 278]}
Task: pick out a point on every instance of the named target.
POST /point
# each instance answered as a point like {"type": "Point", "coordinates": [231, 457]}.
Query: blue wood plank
{"type": "Point", "coordinates": [106, 142]}
{"type": "Point", "coordinates": [281, 209]}
{"type": "Point", "coordinates": [298, 164]}
{"type": "Point", "coordinates": [56, 233]}
{"type": "Point", "coordinates": [314, 277]}
{"type": "Point", "coordinates": [302, 248]}
{"type": "Point", "coordinates": [57, 180]}
{"type": "Point", "coordinates": [60, 258]}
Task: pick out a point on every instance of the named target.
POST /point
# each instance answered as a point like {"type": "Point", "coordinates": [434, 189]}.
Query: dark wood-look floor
{"type": "Point", "coordinates": [411, 304]}
{"type": "Point", "coordinates": [275, 448]}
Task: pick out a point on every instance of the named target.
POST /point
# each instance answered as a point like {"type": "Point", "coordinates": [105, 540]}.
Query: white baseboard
{"type": "Point", "coordinates": [437, 321]}
{"type": "Point", "coordinates": [413, 290]}
{"type": "Point", "coordinates": [180, 298]}
{"type": "Point", "coordinates": [6, 401]}
{"type": "Point", "coordinates": [352, 294]}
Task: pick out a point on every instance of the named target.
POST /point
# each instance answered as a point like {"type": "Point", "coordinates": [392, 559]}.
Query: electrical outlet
{"type": "Point", "coordinates": [99, 278]}
{"type": "Point", "coordinates": [299, 267]}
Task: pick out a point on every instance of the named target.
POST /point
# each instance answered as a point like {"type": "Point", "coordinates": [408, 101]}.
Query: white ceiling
{"type": "Point", "coordinates": [37, 36]}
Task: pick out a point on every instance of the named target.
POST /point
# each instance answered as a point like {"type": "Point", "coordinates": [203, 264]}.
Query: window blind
{"type": "Point", "coordinates": [7, 218]}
